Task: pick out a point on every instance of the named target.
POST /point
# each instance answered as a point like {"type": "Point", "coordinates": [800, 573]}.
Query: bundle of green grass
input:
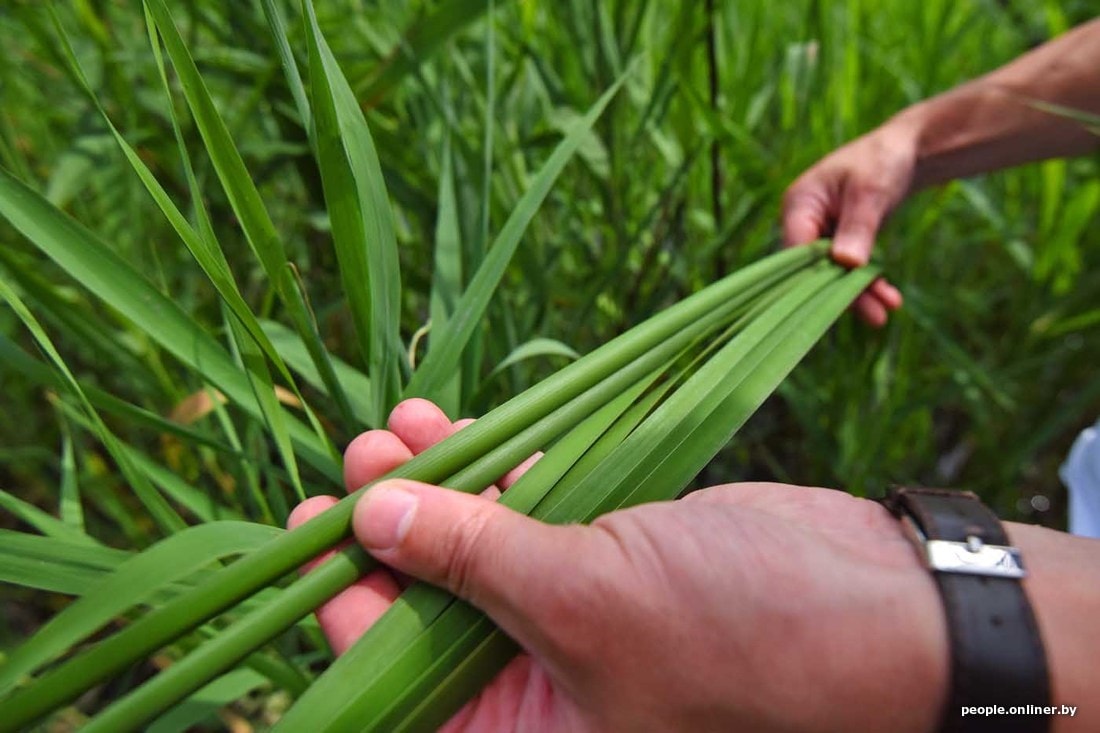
{"type": "Point", "coordinates": [631, 422]}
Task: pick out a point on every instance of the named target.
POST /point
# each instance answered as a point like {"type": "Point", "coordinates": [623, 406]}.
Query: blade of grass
{"type": "Point", "coordinates": [277, 26]}
{"type": "Point", "coordinates": [131, 584]}
{"type": "Point", "coordinates": [166, 517]}
{"type": "Point", "coordinates": [89, 261]}
{"type": "Point", "coordinates": [45, 523]}
{"type": "Point", "coordinates": [244, 198]}
{"type": "Point", "coordinates": [531, 349]}
{"type": "Point", "coordinates": [447, 273]}
{"type": "Point", "coordinates": [54, 564]}
{"type": "Point", "coordinates": [263, 389]}
{"type": "Point", "coordinates": [70, 509]}
{"type": "Point", "coordinates": [362, 225]}
{"type": "Point", "coordinates": [446, 345]}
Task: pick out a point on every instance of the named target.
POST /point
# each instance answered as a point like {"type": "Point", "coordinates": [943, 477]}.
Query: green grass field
{"type": "Point", "coordinates": [981, 382]}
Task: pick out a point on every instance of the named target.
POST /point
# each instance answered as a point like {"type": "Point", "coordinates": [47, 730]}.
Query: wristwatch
{"type": "Point", "coordinates": [999, 679]}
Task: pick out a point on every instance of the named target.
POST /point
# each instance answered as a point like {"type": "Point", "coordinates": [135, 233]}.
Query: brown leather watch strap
{"type": "Point", "coordinates": [997, 657]}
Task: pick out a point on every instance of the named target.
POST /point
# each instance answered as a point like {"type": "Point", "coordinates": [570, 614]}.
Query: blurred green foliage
{"type": "Point", "coordinates": [980, 382]}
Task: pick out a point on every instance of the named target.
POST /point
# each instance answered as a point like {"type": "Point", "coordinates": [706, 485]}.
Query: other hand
{"type": "Point", "coordinates": [848, 195]}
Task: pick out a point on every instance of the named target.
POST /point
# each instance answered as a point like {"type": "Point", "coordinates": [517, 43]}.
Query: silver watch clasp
{"type": "Point", "coordinates": [972, 557]}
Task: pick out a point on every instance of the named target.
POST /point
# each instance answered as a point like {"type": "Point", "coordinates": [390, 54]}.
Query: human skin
{"type": "Point", "coordinates": [986, 124]}
{"type": "Point", "coordinates": [755, 607]}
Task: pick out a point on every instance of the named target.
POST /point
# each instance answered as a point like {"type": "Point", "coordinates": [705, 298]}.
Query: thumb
{"type": "Point", "coordinates": [501, 561]}
{"type": "Point", "coordinates": [862, 211]}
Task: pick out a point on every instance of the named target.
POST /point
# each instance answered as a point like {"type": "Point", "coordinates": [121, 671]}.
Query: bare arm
{"type": "Point", "coordinates": [993, 122]}
{"type": "Point", "coordinates": [989, 123]}
{"type": "Point", "coordinates": [1064, 587]}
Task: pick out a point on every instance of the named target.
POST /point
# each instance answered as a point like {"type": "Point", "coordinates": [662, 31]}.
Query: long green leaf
{"type": "Point", "coordinates": [446, 345]}
{"type": "Point", "coordinates": [133, 583]}
{"type": "Point", "coordinates": [362, 223]}
{"type": "Point", "coordinates": [159, 509]}
{"type": "Point", "coordinates": [244, 198]}
{"type": "Point", "coordinates": [242, 193]}
{"type": "Point", "coordinates": [89, 261]}
{"type": "Point", "coordinates": [447, 274]}
{"type": "Point", "coordinates": [429, 33]}
{"type": "Point", "coordinates": [45, 523]}
{"type": "Point", "coordinates": [55, 564]}
{"type": "Point", "coordinates": [531, 349]}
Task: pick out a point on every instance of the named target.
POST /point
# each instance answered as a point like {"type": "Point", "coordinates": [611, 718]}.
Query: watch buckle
{"type": "Point", "coordinates": [972, 557]}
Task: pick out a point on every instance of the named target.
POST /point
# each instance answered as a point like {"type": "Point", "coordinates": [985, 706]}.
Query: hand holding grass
{"type": "Point", "coordinates": [1036, 107]}
{"type": "Point", "coordinates": [720, 611]}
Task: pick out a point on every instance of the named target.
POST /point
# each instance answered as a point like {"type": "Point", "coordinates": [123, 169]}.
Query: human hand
{"type": "Point", "coordinates": [756, 607]}
{"type": "Point", "coordinates": [848, 194]}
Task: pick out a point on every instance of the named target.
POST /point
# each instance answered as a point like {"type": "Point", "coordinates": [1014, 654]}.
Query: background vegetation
{"type": "Point", "coordinates": [981, 382]}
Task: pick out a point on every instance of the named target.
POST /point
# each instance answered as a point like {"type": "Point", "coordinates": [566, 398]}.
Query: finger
{"type": "Point", "coordinates": [372, 455]}
{"type": "Point", "coordinates": [464, 422]}
{"type": "Point", "coordinates": [506, 481]}
{"type": "Point", "coordinates": [861, 213]}
{"type": "Point", "coordinates": [419, 423]}
{"type": "Point", "coordinates": [521, 686]}
{"type": "Point", "coordinates": [871, 310]}
{"type": "Point", "coordinates": [805, 214]}
{"type": "Point", "coordinates": [514, 568]}
{"type": "Point", "coordinates": [348, 614]}
{"type": "Point", "coordinates": [887, 294]}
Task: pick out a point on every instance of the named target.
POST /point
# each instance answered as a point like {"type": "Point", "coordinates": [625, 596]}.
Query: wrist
{"type": "Point", "coordinates": [946, 134]}
{"type": "Point", "coordinates": [1064, 587]}
{"type": "Point", "coordinates": [998, 658]}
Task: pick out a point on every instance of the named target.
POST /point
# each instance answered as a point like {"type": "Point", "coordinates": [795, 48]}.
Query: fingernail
{"type": "Point", "coordinates": [383, 516]}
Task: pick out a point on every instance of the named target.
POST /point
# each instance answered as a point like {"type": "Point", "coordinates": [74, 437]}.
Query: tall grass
{"type": "Point", "coordinates": [549, 170]}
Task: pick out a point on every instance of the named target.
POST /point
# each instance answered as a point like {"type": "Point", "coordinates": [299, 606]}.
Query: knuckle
{"type": "Point", "coordinates": [870, 191]}
{"type": "Point", "coordinates": [464, 546]}
{"type": "Point", "coordinates": [796, 195]}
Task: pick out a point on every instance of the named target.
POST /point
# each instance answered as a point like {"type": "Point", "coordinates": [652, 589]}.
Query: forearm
{"type": "Point", "coordinates": [993, 122]}
{"type": "Point", "coordinates": [1064, 588]}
